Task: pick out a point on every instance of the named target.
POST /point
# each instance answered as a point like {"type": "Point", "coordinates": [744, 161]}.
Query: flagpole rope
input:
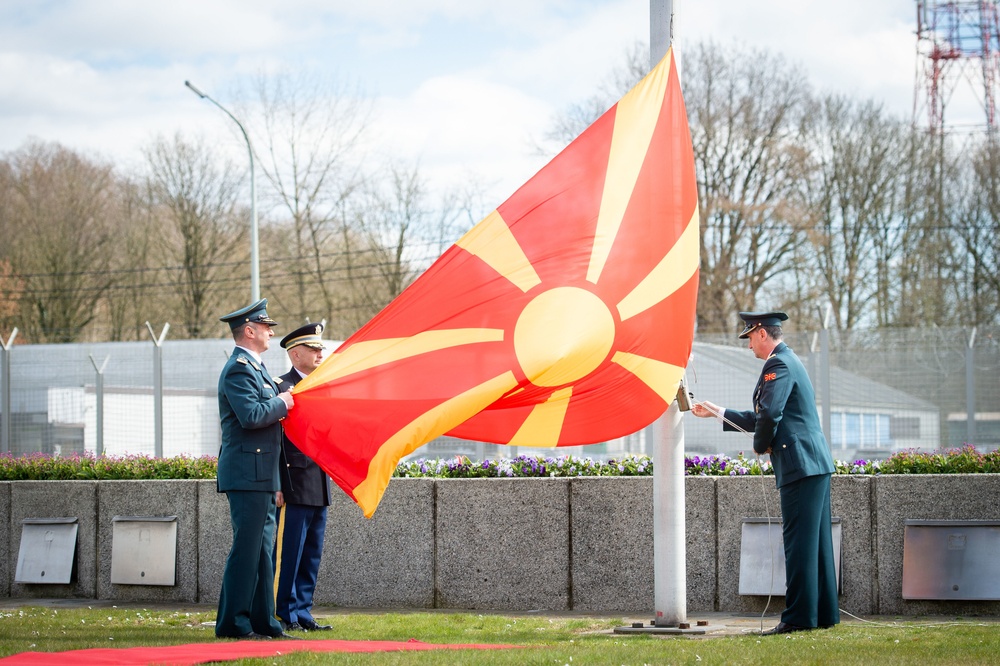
{"type": "Point", "coordinates": [767, 512]}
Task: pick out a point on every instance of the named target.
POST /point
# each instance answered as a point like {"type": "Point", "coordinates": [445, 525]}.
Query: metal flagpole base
{"type": "Point", "coordinates": [701, 627]}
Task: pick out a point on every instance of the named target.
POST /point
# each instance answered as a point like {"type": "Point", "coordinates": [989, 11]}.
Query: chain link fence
{"type": "Point", "coordinates": [887, 390]}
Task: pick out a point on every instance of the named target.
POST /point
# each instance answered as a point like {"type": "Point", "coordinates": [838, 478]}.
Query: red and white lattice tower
{"type": "Point", "coordinates": [956, 42]}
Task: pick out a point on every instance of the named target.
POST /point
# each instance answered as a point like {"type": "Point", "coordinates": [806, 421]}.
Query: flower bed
{"type": "Point", "coordinates": [41, 467]}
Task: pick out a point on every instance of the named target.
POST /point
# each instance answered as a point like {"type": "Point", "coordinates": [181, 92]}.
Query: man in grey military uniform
{"type": "Point", "coordinates": [785, 423]}
{"type": "Point", "coordinates": [250, 408]}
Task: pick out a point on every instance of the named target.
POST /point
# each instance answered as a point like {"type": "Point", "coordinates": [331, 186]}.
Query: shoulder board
{"type": "Point", "coordinates": [278, 380]}
{"type": "Point", "coordinates": [241, 359]}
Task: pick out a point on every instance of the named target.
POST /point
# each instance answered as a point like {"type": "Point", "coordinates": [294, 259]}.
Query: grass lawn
{"type": "Point", "coordinates": [546, 640]}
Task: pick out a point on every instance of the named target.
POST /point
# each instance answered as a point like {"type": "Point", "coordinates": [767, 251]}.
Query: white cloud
{"type": "Point", "coordinates": [462, 85]}
{"type": "Point", "coordinates": [457, 126]}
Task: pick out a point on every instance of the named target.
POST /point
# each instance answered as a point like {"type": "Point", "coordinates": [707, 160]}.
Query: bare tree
{"type": "Point", "coordinates": [396, 231]}
{"type": "Point", "coordinates": [136, 295]}
{"type": "Point", "coordinates": [195, 202]}
{"type": "Point", "coordinates": [306, 133]}
{"type": "Point", "coordinates": [60, 232]}
{"type": "Point", "coordinates": [854, 199]}
{"type": "Point", "coordinates": [11, 289]}
{"type": "Point", "coordinates": [11, 286]}
{"type": "Point", "coordinates": [923, 291]}
{"type": "Point", "coordinates": [978, 229]}
{"type": "Point", "coordinates": [746, 110]}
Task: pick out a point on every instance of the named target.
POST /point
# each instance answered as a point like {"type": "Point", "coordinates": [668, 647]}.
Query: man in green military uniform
{"type": "Point", "coordinates": [250, 407]}
{"type": "Point", "coordinates": [785, 424]}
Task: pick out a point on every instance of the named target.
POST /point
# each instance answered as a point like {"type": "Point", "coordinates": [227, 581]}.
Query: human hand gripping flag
{"type": "Point", "coordinates": [565, 317]}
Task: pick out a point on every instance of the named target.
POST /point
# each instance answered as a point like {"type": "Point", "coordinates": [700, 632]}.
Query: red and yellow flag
{"type": "Point", "coordinates": [565, 317]}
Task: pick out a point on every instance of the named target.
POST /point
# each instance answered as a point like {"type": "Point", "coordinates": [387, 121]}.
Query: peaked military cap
{"type": "Point", "coordinates": [753, 320]}
{"type": "Point", "coordinates": [255, 313]}
{"type": "Point", "coordinates": [309, 335]}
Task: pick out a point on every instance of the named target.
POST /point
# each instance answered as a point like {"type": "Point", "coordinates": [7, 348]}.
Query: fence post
{"type": "Point", "coordinates": [158, 387]}
{"type": "Point", "coordinates": [5, 410]}
{"type": "Point", "coordinates": [99, 448]}
{"type": "Point", "coordinates": [970, 389]}
{"type": "Point", "coordinates": [824, 387]}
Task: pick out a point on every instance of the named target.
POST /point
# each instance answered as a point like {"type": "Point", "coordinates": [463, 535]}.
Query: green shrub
{"type": "Point", "coordinates": [41, 467]}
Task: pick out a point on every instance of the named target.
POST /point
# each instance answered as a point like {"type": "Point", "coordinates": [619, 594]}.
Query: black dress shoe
{"type": "Point", "coordinates": [294, 626]}
{"type": "Point", "coordinates": [311, 625]}
{"type": "Point", "coordinates": [287, 637]}
{"type": "Point", "coordinates": [252, 636]}
{"type": "Point", "coordinates": [784, 628]}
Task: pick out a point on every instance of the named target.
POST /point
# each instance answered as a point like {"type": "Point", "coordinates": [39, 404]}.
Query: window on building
{"type": "Point", "coordinates": [855, 430]}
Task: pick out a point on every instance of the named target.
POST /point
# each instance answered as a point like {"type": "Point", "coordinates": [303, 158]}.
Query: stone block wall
{"type": "Point", "coordinates": [556, 544]}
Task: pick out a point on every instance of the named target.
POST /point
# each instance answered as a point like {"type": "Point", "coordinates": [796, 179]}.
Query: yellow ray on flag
{"type": "Point", "coordinates": [663, 378]}
{"type": "Point", "coordinates": [491, 241]}
{"type": "Point", "coordinates": [670, 274]}
{"type": "Point", "coordinates": [372, 353]}
{"type": "Point", "coordinates": [635, 118]}
{"type": "Point", "coordinates": [543, 425]}
{"type": "Point", "coordinates": [432, 423]}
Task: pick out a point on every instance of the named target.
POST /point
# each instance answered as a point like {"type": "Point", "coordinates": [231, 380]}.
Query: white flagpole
{"type": "Point", "coordinates": [669, 546]}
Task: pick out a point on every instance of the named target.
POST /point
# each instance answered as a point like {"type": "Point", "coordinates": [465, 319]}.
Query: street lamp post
{"type": "Point", "coordinates": [254, 253]}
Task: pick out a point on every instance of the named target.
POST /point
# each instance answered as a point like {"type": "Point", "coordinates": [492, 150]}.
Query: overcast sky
{"type": "Point", "coordinates": [463, 86]}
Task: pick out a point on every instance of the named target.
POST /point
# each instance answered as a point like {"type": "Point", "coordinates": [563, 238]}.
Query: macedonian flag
{"type": "Point", "coordinates": [565, 317]}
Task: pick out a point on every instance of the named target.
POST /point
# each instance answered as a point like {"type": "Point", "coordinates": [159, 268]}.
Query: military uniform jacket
{"type": "Point", "coordinates": [249, 409]}
{"type": "Point", "coordinates": [302, 480]}
{"type": "Point", "coordinates": [785, 419]}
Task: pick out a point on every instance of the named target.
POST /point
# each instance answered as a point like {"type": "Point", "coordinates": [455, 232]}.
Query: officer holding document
{"type": "Point", "coordinates": [785, 424]}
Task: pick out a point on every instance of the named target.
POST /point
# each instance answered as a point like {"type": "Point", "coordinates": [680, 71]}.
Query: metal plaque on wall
{"type": "Point", "coordinates": [48, 546]}
{"type": "Point", "coordinates": [762, 556]}
{"type": "Point", "coordinates": [951, 559]}
{"type": "Point", "coordinates": [144, 550]}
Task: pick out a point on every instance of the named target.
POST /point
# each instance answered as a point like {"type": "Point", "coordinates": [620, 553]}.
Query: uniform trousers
{"type": "Point", "coordinates": [810, 571]}
{"type": "Point", "coordinates": [297, 553]}
{"type": "Point", "coordinates": [246, 602]}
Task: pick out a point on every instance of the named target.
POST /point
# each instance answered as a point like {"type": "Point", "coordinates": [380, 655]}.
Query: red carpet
{"type": "Point", "coordinates": [203, 653]}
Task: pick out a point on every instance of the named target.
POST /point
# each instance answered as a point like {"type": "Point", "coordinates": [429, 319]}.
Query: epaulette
{"type": "Point", "coordinates": [241, 359]}
{"type": "Point", "coordinates": [278, 380]}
